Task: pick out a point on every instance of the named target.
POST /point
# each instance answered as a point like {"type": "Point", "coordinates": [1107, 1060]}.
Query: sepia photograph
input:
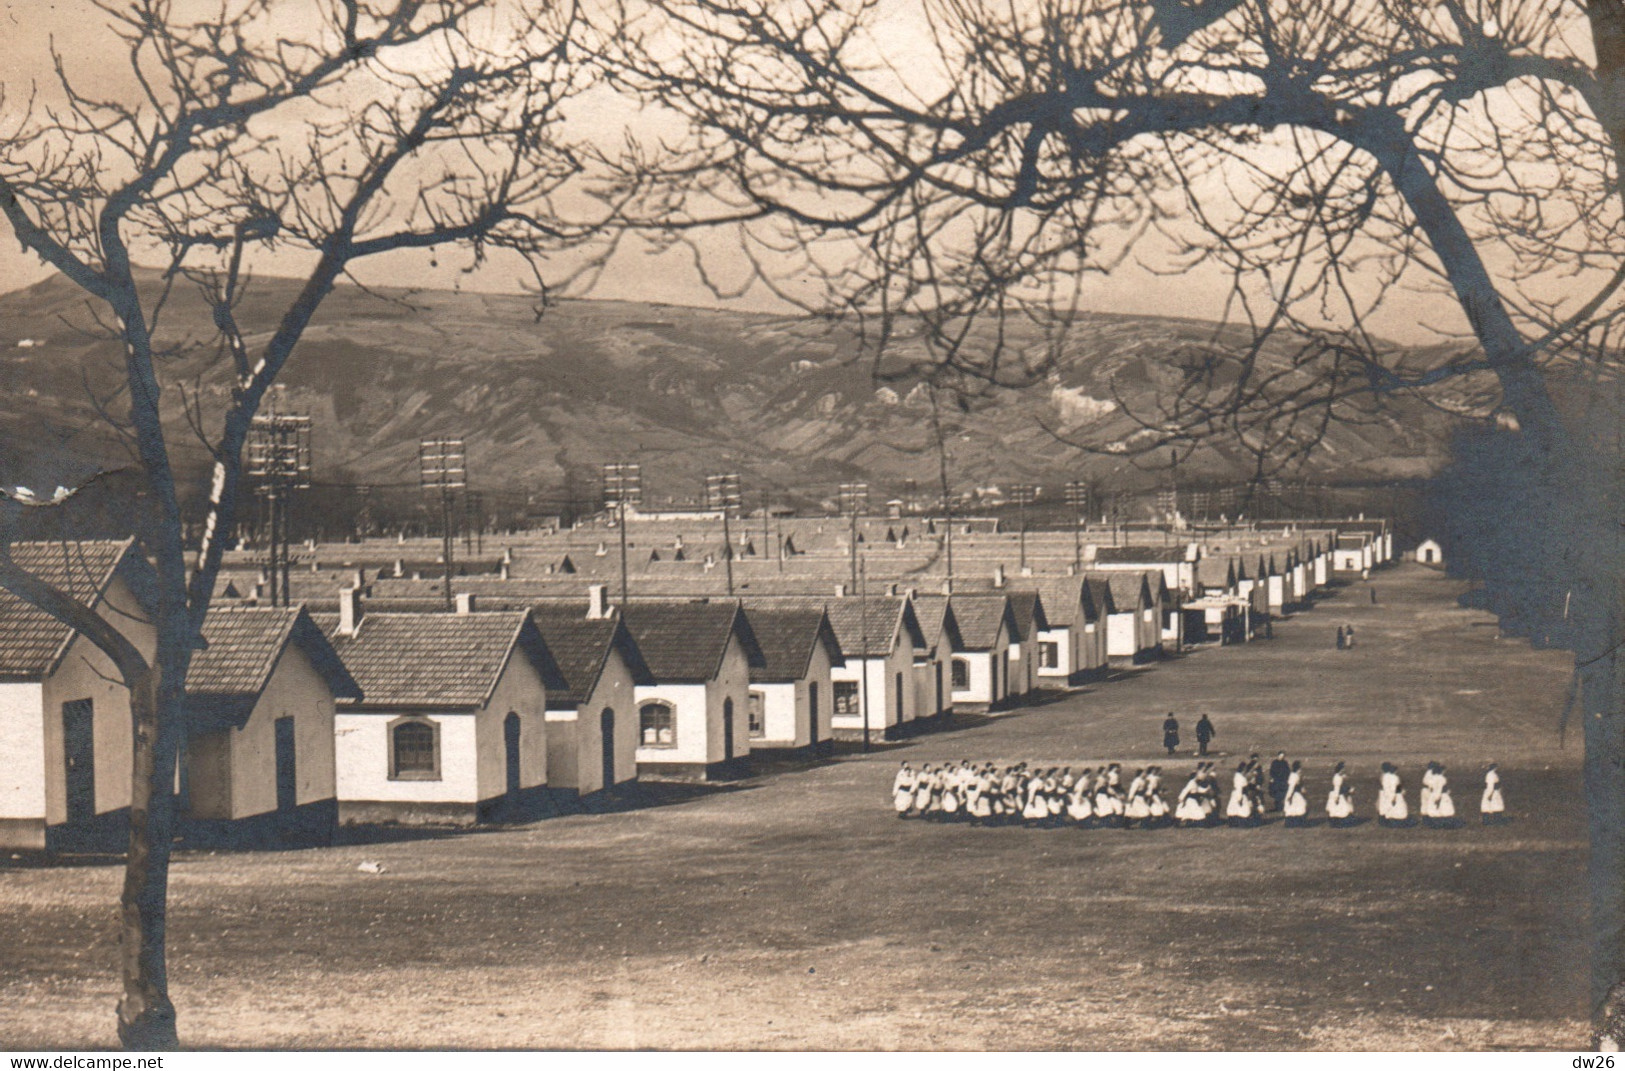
{"type": "Point", "coordinates": [812, 525]}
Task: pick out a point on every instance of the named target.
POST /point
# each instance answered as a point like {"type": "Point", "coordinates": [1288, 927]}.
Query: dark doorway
{"type": "Point", "coordinates": [510, 749]}
{"type": "Point", "coordinates": [898, 684]}
{"type": "Point", "coordinates": [287, 771]}
{"type": "Point", "coordinates": [79, 758]}
{"type": "Point", "coordinates": [606, 737]}
{"type": "Point", "coordinates": [812, 714]}
{"type": "Point", "coordinates": [727, 729]}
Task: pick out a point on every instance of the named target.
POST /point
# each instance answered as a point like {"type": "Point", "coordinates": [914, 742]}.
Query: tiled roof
{"type": "Point", "coordinates": [580, 648]}
{"type": "Point", "coordinates": [1134, 555]}
{"type": "Point", "coordinates": [933, 612]}
{"type": "Point", "coordinates": [1027, 607]}
{"type": "Point", "coordinates": [787, 637]}
{"type": "Point", "coordinates": [1098, 594]}
{"type": "Point", "coordinates": [31, 640]}
{"type": "Point", "coordinates": [244, 646]}
{"type": "Point", "coordinates": [1126, 590]}
{"type": "Point", "coordinates": [880, 618]}
{"type": "Point", "coordinates": [685, 641]}
{"type": "Point", "coordinates": [979, 618]}
{"type": "Point", "coordinates": [430, 659]}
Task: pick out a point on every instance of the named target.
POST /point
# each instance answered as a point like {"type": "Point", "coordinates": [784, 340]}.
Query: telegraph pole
{"type": "Point", "coordinates": [443, 470]}
{"type": "Point", "coordinates": [722, 491]}
{"type": "Point", "coordinates": [863, 631]}
{"type": "Point", "coordinates": [623, 486]}
{"type": "Point", "coordinates": [1023, 493]}
{"type": "Point", "coordinates": [1077, 500]}
{"type": "Point", "coordinates": [279, 459]}
{"type": "Point", "coordinates": [853, 498]}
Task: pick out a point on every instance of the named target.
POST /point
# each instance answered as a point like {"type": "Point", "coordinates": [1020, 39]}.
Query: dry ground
{"type": "Point", "coordinates": [795, 911]}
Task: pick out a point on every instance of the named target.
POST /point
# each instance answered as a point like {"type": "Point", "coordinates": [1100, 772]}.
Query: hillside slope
{"type": "Point", "coordinates": [686, 391]}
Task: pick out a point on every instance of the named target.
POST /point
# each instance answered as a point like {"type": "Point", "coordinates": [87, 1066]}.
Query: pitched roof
{"type": "Point", "coordinates": [1127, 590]}
{"type": "Point", "coordinates": [437, 660]}
{"type": "Point", "coordinates": [1061, 596]}
{"type": "Point", "coordinates": [868, 626]}
{"type": "Point", "coordinates": [685, 641]}
{"type": "Point", "coordinates": [581, 647]}
{"type": "Point", "coordinates": [979, 618]}
{"type": "Point", "coordinates": [32, 642]}
{"type": "Point", "coordinates": [787, 637]}
{"type": "Point", "coordinates": [245, 645]}
{"type": "Point", "coordinates": [1098, 599]}
{"type": "Point", "coordinates": [1027, 608]}
{"type": "Point", "coordinates": [935, 612]}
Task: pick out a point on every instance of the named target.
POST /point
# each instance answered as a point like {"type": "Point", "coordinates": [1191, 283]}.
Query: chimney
{"type": "Point", "coordinates": [465, 602]}
{"type": "Point", "coordinates": [1071, 570]}
{"type": "Point", "coordinates": [349, 611]}
{"type": "Point", "coordinates": [840, 591]}
{"type": "Point", "coordinates": [360, 579]}
{"type": "Point", "coordinates": [502, 570]}
{"type": "Point", "coordinates": [597, 602]}
{"type": "Point", "coordinates": [891, 589]}
{"type": "Point", "coordinates": [507, 555]}
{"type": "Point", "coordinates": [1026, 570]}
{"type": "Point", "coordinates": [400, 567]}
{"type": "Point", "coordinates": [998, 576]}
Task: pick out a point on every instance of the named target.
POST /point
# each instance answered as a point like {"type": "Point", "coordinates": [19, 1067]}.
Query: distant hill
{"type": "Point", "coordinates": [687, 391]}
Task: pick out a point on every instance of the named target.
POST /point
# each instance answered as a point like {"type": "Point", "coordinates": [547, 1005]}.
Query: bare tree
{"type": "Point", "coordinates": [353, 130]}
{"type": "Point", "coordinates": [954, 180]}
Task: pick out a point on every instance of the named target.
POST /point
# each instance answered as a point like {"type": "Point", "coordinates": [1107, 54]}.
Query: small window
{"type": "Point", "coordinates": [658, 722]}
{"type": "Point", "coordinates": [959, 668]}
{"type": "Point", "coordinates": [1049, 654]}
{"type": "Point", "coordinates": [758, 722]}
{"type": "Point", "coordinates": [846, 697]}
{"type": "Point", "coordinates": [414, 750]}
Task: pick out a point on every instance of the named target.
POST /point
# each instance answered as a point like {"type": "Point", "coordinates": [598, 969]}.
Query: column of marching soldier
{"type": "Point", "coordinates": [986, 793]}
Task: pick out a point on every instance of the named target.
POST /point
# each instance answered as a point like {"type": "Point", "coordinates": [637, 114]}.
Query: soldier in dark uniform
{"type": "Point", "coordinates": [1170, 732]}
{"type": "Point", "coordinates": [1204, 733]}
{"type": "Point", "coordinates": [1280, 773]}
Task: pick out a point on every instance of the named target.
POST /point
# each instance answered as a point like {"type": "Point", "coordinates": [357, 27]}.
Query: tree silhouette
{"type": "Point", "coordinates": [375, 126]}
{"type": "Point", "coordinates": [955, 183]}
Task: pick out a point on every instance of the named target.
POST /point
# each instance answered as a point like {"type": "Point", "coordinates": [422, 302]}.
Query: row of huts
{"type": "Point", "coordinates": [380, 706]}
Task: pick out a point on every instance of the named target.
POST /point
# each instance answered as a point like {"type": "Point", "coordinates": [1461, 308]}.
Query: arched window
{"type": "Point", "coordinates": [658, 724]}
{"type": "Point", "coordinates": [414, 750]}
{"type": "Point", "coordinates": [960, 670]}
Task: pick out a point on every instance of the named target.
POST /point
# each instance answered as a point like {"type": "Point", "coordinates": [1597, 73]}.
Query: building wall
{"type": "Point", "coordinates": [732, 682]}
{"type": "Point", "coordinates": [1092, 645]}
{"type": "Point", "coordinates": [298, 691]}
{"type": "Point", "coordinates": [1067, 659]}
{"type": "Point", "coordinates": [575, 742]}
{"type": "Point", "coordinates": [362, 748]}
{"type": "Point", "coordinates": [1123, 634]}
{"type": "Point", "coordinates": [23, 758]}
{"type": "Point", "coordinates": [692, 745]}
{"type": "Point", "coordinates": [979, 690]}
{"type": "Point", "coordinates": [86, 673]}
{"type": "Point", "coordinates": [519, 690]}
{"type": "Point", "coordinates": [782, 721]}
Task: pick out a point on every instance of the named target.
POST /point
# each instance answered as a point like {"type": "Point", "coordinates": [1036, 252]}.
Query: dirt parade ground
{"type": "Point", "coordinates": [796, 910]}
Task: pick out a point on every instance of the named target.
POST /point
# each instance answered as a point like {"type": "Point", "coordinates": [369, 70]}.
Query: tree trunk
{"type": "Point", "coordinates": [146, 1018]}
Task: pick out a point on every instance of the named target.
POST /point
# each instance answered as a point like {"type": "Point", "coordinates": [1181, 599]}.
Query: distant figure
{"type": "Point", "coordinates": [1340, 800]}
{"type": "Point", "coordinates": [1170, 732]}
{"type": "Point", "coordinates": [1269, 628]}
{"type": "Point", "coordinates": [1373, 596]}
{"type": "Point", "coordinates": [1280, 773]}
{"type": "Point", "coordinates": [1492, 807]}
{"type": "Point", "coordinates": [1342, 638]}
{"type": "Point", "coordinates": [1205, 732]}
{"type": "Point", "coordinates": [1348, 635]}
{"type": "Point", "coordinates": [1296, 805]}
{"type": "Point", "coordinates": [902, 791]}
{"type": "Point", "coordinates": [1240, 808]}
{"type": "Point", "coordinates": [1392, 809]}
